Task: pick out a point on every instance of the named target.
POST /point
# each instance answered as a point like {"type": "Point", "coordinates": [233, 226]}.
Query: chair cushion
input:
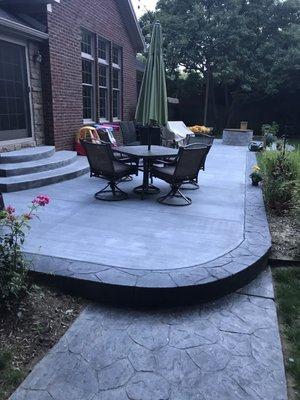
{"type": "Point", "coordinates": [122, 169]}
{"type": "Point", "coordinates": [164, 173]}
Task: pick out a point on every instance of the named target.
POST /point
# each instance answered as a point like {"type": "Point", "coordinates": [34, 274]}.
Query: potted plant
{"type": "Point", "coordinates": [256, 175]}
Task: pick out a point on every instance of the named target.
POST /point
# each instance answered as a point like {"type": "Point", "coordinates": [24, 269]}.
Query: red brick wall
{"type": "Point", "coordinates": [101, 17]}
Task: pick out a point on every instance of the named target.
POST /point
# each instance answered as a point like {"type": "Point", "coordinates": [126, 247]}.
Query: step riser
{"type": "Point", "coordinates": [35, 169]}
{"type": "Point", "coordinates": [5, 159]}
{"type": "Point", "coordinates": [17, 186]}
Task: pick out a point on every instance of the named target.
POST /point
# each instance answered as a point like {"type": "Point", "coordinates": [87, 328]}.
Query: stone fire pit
{"type": "Point", "coordinates": [237, 137]}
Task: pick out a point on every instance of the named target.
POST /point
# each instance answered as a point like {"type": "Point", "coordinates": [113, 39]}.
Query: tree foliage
{"type": "Point", "coordinates": [249, 48]}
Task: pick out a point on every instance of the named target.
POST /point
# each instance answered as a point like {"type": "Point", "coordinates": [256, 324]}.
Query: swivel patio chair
{"type": "Point", "coordinates": [185, 169]}
{"type": "Point", "coordinates": [129, 133]}
{"type": "Point", "coordinates": [106, 137]}
{"type": "Point", "coordinates": [104, 165]}
{"type": "Point", "coordinates": [193, 184]}
{"type": "Point", "coordinates": [201, 139]}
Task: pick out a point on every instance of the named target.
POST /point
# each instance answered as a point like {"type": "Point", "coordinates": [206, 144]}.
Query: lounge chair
{"type": "Point", "coordinates": [104, 165]}
{"type": "Point", "coordinates": [185, 169]}
{"type": "Point", "coordinates": [180, 131]}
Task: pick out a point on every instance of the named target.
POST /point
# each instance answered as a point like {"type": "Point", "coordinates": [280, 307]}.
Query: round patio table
{"type": "Point", "coordinates": [148, 156]}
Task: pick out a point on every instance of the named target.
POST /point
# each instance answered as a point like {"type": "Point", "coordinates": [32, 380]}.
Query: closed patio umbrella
{"type": "Point", "coordinates": [152, 108]}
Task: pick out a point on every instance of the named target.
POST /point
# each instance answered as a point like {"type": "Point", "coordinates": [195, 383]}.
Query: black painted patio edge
{"type": "Point", "coordinates": [179, 286]}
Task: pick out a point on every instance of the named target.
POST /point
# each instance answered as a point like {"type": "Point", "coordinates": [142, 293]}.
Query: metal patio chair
{"type": "Point", "coordinates": [185, 169]}
{"type": "Point", "coordinates": [194, 182]}
{"type": "Point", "coordinates": [129, 133]}
{"type": "Point", "coordinates": [104, 165]}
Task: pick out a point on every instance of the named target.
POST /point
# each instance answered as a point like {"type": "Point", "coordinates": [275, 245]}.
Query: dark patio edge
{"type": "Point", "coordinates": [169, 287]}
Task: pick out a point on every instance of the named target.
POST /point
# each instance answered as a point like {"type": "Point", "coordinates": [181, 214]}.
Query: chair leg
{"type": "Point", "coordinates": [193, 185]}
{"type": "Point", "coordinates": [126, 179]}
{"type": "Point", "coordinates": [174, 193]}
{"type": "Point", "coordinates": [114, 193]}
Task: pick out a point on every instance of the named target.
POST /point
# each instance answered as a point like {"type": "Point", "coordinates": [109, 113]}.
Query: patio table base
{"type": "Point", "coordinates": [148, 189]}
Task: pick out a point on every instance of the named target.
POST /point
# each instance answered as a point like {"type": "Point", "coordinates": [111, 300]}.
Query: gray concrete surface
{"type": "Point", "coordinates": [136, 234]}
{"type": "Point", "coordinates": [228, 349]}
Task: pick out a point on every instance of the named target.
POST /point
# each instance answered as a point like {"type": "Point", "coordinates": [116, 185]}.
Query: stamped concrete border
{"type": "Point", "coordinates": [179, 286]}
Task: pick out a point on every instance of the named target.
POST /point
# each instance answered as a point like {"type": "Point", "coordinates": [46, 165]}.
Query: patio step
{"type": "Point", "coordinates": [28, 154]}
{"type": "Point", "coordinates": [78, 167]}
{"type": "Point", "coordinates": [57, 160]}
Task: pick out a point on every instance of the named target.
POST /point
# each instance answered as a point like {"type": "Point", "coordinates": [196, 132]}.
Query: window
{"type": "Point", "coordinates": [87, 89]}
{"type": "Point", "coordinates": [88, 79]}
{"type": "Point", "coordinates": [103, 92]}
{"type": "Point", "coordinates": [101, 78]}
{"type": "Point", "coordinates": [103, 50]}
{"type": "Point", "coordinates": [86, 42]}
{"type": "Point", "coordinates": [103, 70]}
{"type": "Point", "coordinates": [116, 56]}
{"type": "Point", "coordinates": [116, 81]}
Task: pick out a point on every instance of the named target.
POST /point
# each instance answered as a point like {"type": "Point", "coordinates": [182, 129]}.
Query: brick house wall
{"type": "Point", "coordinates": [63, 106]}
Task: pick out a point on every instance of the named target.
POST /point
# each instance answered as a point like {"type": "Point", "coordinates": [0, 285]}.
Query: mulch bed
{"type": "Point", "coordinates": [285, 235]}
{"type": "Point", "coordinates": [27, 333]}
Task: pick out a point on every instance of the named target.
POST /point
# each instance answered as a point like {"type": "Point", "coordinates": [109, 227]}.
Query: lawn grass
{"type": "Point", "coordinates": [287, 284]}
{"type": "Point", "coordinates": [9, 376]}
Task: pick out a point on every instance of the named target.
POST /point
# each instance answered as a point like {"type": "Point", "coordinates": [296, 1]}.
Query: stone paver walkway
{"type": "Point", "coordinates": [228, 349]}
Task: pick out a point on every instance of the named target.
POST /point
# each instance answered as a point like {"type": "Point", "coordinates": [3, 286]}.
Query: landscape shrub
{"type": "Point", "coordinates": [13, 267]}
{"type": "Point", "coordinates": [270, 132]}
{"type": "Point", "coordinates": [281, 174]}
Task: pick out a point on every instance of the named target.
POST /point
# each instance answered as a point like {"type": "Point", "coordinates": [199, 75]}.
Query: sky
{"type": "Point", "coordinates": [144, 5]}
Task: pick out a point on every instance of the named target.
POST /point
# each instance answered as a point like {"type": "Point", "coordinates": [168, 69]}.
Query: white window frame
{"type": "Point", "coordinates": [90, 58]}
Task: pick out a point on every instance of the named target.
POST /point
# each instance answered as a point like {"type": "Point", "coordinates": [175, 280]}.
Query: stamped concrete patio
{"type": "Point", "coordinates": [137, 234]}
{"type": "Point", "coordinates": [144, 253]}
{"type": "Point", "coordinates": [137, 244]}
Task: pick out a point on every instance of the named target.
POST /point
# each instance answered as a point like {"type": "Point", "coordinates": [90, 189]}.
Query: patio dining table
{"type": "Point", "coordinates": [148, 156]}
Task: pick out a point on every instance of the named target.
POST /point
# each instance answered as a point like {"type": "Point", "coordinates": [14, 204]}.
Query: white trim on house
{"type": "Point", "coordinates": [25, 30]}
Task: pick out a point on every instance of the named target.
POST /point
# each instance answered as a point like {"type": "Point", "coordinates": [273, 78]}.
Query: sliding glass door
{"type": "Point", "coordinates": [14, 93]}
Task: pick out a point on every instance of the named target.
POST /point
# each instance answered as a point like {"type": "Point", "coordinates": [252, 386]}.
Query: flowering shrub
{"type": "Point", "coordinates": [13, 270]}
{"type": "Point", "coordinates": [200, 129]}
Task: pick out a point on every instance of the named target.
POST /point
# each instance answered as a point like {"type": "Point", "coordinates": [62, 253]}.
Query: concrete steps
{"type": "Point", "coordinates": [59, 159]}
{"type": "Point", "coordinates": [28, 154]}
{"type": "Point", "coordinates": [35, 167]}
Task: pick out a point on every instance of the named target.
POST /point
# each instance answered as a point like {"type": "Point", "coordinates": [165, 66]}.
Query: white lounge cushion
{"type": "Point", "coordinates": [179, 129]}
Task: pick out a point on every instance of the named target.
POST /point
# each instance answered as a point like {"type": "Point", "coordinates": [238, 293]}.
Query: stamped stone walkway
{"type": "Point", "coordinates": [224, 350]}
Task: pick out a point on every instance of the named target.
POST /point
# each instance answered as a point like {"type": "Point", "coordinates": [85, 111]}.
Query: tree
{"type": "Point", "coordinates": [246, 49]}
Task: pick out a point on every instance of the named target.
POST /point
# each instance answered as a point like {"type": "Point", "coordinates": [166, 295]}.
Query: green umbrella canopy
{"type": "Point", "coordinates": [152, 105]}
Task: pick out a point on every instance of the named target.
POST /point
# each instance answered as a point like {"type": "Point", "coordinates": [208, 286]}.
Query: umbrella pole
{"type": "Point", "coordinates": [149, 138]}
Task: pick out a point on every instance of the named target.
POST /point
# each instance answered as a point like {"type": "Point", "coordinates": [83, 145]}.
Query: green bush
{"type": "Point", "coordinates": [13, 269]}
{"type": "Point", "coordinates": [270, 132]}
{"type": "Point", "coordinates": [281, 173]}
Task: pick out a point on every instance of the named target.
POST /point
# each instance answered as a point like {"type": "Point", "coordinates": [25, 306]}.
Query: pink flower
{"type": "Point", "coordinates": [10, 210]}
{"type": "Point", "coordinates": [41, 200]}
{"type": "Point", "coordinates": [27, 216]}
